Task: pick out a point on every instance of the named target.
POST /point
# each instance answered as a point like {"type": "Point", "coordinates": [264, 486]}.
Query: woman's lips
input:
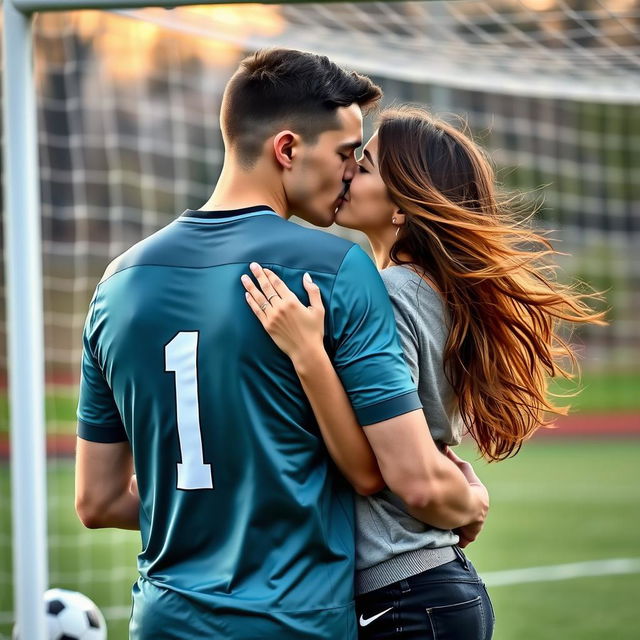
{"type": "Point", "coordinates": [340, 202]}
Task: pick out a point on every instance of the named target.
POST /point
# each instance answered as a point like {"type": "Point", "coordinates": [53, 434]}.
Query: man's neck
{"type": "Point", "coordinates": [237, 189]}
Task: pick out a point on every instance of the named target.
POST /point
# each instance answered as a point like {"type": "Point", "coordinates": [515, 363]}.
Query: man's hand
{"type": "Point", "coordinates": [471, 531]}
{"type": "Point", "coordinates": [464, 466]}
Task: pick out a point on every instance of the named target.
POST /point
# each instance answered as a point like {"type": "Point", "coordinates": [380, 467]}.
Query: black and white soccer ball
{"type": "Point", "coordinates": [71, 616]}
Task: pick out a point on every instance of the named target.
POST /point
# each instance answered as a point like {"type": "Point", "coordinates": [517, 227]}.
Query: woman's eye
{"type": "Point", "coordinates": [344, 158]}
{"type": "Point", "coordinates": [361, 169]}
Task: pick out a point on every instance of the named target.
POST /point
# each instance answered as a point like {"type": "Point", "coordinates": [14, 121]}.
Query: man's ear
{"type": "Point", "coordinates": [285, 147]}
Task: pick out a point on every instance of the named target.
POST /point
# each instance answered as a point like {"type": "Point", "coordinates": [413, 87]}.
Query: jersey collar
{"type": "Point", "coordinates": [226, 215]}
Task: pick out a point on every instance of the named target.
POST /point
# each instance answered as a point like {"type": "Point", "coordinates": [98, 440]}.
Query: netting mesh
{"type": "Point", "coordinates": [128, 135]}
{"type": "Point", "coordinates": [585, 49]}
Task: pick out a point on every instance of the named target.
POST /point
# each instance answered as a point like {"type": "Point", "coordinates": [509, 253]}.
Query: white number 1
{"type": "Point", "coordinates": [181, 357]}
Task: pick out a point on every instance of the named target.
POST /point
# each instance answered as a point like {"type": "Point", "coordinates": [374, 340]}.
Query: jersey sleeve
{"type": "Point", "coordinates": [98, 416]}
{"type": "Point", "coordinates": [366, 350]}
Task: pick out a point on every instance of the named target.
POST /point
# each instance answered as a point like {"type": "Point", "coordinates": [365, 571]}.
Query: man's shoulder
{"type": "Point", "coordinates": [312, 249]}
{"type": "Point", "coordinates": [138, 252]}
{"type": "Point", "coordinates": [265, 239]}
{"type": "Point", "coordinates": [317, 233]}
{"type": "Point", "coordinates": [319, 237]}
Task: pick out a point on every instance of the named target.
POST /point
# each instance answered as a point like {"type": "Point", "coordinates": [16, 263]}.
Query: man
{"type": "Point", "coordinates": [247, 529]}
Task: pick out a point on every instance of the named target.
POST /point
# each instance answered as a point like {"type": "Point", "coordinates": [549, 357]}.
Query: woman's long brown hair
{"type": "Point", "coordinates": [505, 307]}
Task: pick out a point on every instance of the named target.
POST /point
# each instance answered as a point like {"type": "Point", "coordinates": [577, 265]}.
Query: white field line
{"type": "Point", "coordinates": [618, 566]}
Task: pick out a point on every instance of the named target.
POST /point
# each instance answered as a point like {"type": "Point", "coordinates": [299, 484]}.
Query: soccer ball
{"type": "Point", "coordinates": [71, 616]}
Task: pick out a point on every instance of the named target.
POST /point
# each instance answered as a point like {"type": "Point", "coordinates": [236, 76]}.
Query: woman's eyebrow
{"type": "Point", "coordinates": [369, 158]}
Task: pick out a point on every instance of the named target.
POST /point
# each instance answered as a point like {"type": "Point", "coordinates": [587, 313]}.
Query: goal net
{"type": "Point", "coordinates": [128, 136]}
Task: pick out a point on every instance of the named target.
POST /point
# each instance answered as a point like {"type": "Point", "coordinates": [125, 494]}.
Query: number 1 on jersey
{"type": "Point", "coordinates": [181, 358]}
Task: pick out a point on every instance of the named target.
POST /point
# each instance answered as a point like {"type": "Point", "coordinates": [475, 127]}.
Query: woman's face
{"type": "Point", "coordinates": [367, 206]}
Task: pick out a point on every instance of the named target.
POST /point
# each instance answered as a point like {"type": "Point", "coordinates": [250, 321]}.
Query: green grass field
{"type": "Point", "coordinates": [555, 503]}
{"type": "Point", "coordinates": [601, 392]}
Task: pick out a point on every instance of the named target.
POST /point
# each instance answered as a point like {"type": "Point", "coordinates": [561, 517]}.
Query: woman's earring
{"type": "Point", "coordinates": [394, 220]}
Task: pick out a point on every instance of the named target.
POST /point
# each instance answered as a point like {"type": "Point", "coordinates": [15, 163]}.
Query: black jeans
{"type": "Point", "coordinates": [449, 602]}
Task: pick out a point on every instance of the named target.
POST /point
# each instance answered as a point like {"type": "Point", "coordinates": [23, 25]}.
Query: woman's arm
{"type": "Point", "coordinates": [345, 440]}
{"type": "Point", "coordinates": [298, 330]}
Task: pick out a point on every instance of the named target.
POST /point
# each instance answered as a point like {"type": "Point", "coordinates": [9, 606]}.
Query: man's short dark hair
{"type": "Point", "coordinates": [284, 88]}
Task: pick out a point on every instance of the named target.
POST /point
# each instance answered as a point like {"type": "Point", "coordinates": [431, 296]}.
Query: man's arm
{"type": "Point", "coordinates": [371, 365]}
{"type": "Point", "coordinates": [430, 484]}
{"type": "Point", "coordinates": [104, 464]}
{"type": "Point", "coordinates": [103, 477]}
{"type": "Point", "coordinates": [433, 487]}
{"type": "Point", "coordinates": [412, 318]}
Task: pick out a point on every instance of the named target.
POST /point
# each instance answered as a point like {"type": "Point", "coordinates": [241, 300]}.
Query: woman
{"type": "Point", "coordinates": [477, 313]}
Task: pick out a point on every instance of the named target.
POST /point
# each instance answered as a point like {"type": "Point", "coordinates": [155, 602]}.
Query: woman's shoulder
{"type": "Point", "coordinates": [416, 299]}
{"type": "Point", "coordinates": [407, 279]}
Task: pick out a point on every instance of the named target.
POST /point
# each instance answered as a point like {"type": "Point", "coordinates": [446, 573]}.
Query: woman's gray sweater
{"type": "Point", "coordinates": [391, 544]}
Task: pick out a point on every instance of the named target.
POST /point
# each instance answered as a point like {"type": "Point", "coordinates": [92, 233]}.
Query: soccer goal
{"type": "Point", "coordinates": [111, 130]}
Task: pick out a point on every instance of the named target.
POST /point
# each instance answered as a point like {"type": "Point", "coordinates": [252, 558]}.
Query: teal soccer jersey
{"type": "Point", "coordinates": [247, 527]}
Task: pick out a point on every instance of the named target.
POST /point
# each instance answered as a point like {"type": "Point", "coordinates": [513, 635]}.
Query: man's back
{"type": "Point", "coordinates": [242, 515]}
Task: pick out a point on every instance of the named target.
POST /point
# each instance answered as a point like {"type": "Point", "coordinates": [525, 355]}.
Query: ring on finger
{"type": "Point", "coordinates": [273, 295]}
{"type": "Point", "coordinates": [264, 306]}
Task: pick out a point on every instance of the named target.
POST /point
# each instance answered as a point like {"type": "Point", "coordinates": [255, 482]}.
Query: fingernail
{"type": "Point", "coordinates": [245, 278]}
{"type": "Point", "coordinates": [254, 266]}
{"type": "Point", "coordinates": [307, 278]}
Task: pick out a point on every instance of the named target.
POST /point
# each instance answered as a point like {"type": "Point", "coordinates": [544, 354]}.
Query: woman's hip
{"type": "Point", "coordinates": [449, 602]}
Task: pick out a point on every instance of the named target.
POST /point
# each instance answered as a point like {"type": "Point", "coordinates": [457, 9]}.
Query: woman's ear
{"type": "Point", "coordinates": [399, 218]}
{"type": "Point", "coordinates": [285, 147]}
